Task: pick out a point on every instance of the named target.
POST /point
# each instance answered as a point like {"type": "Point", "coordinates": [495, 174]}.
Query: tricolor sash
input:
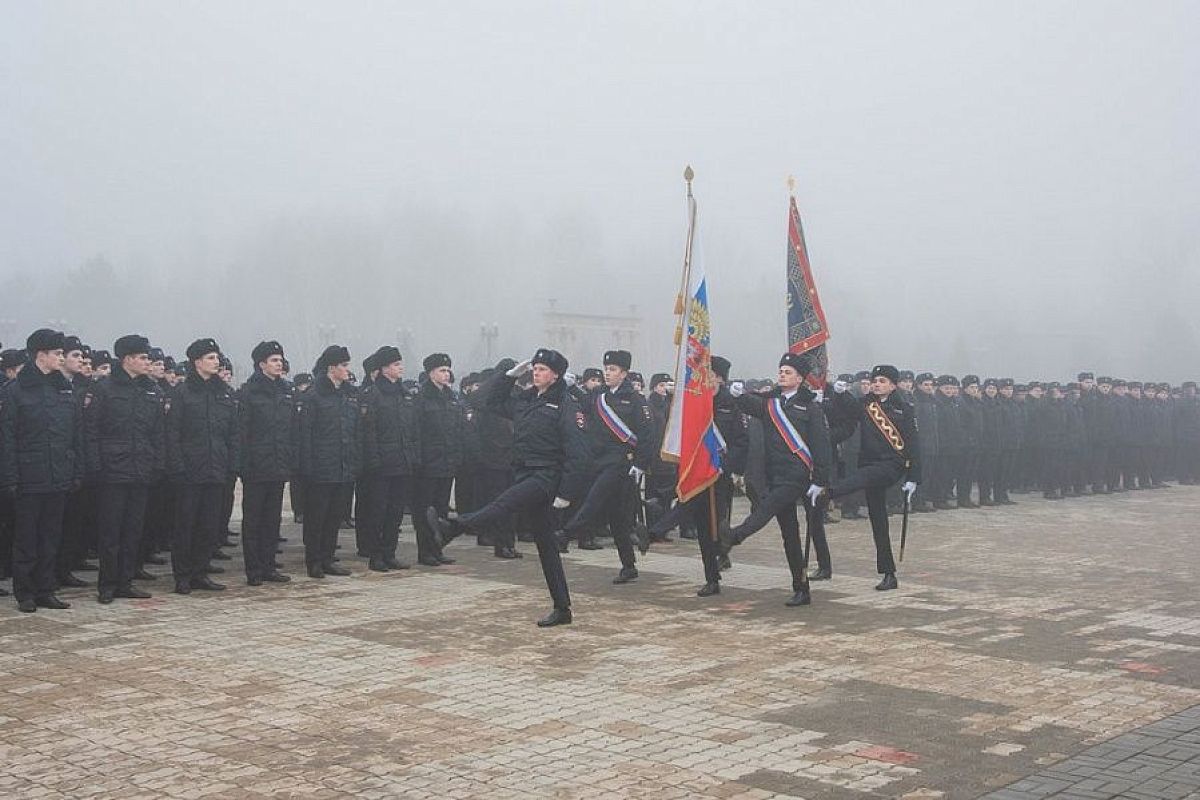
{"type": "Point", "coordinates": [788, 432]}
{"type": "Point", "coordinates": [885, 425]}
{"type": "Point", "coordinates": [613, 421]}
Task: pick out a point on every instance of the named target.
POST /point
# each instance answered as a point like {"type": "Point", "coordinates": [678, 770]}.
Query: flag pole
{"type": "Point", "coordinates": [688, 175]}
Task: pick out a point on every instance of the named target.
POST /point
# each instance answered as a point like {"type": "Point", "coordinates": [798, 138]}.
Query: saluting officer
{"type": "Point", "coordinates": [40, 461]}
{"type": "Point", "coordinates": [267, 427]}
{"type": "Point", "coordinates": [549, 453]}
{"type": "Point", "coordinates": [202, 457]}
{"type": "Point", "coordinates": [889, 454]}
{"type": "Point", "coordinates": [798, 459]}
{"type": "Point", "coordinates": [622, 446]}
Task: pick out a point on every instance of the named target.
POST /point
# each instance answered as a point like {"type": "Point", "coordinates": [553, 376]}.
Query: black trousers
{"type": "Point", "coordinates": [198, 509]}
{"type": "Point", "coordinates": [610, 502]}
{"type": "Point", "coordinates": [296, 495]}
{"type": "Point", "coordinates": [7, 521]}
{"type": "Point", "coordinates": [780, 504]}
{"type": "Point", "coordinates": [158, 519]}
{"type": "Point", "coordinates": [262, 511]}
{"type": "Point", "coordinates": [875, 479]}
{"type": "Point", "coordinates": [489, 484]}
{"type": "Point", "coordinates": [121, 516]}
{"type": "Point", "coordinates": [989, 476]}
{"type": "Point", "coordinates": [36, 535]}
{"type": "Point", "coordinates": [700, 513]}
{"type": "Point", "coordinates": [367, 523]}
{"type": "Point", "coordinates": [531, 495]}
{"type": "Point", "coordinates": [324, 509]}
{"type": "Point", "coordinates": [78, 520]}
{"type": "Point", "coordinates": [389, 495]}
{"type": "Point", "coordinates": [435, 493]}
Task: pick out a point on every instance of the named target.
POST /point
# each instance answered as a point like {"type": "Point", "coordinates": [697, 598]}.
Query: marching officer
{"type": "Point", "coordinates": [798, 458]}
{"type": "Point", "coordinates": [267, 428]}
{"type": "Point", "coordinates": [889, 454]}
{"type": "Point", "coordinates": [202, 456]}
{"type": "Point", "coordinates": [329, 457]}
{"type": "Point", "coordinates": [41, 460]}
{"type": "Point", "coordinates": [549, 453]}
{"type": "Point", "coordinates": [619, 426]}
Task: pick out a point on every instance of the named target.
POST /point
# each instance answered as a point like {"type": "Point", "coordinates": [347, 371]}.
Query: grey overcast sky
{"type": "Point", "coordinates": [1006, 187]}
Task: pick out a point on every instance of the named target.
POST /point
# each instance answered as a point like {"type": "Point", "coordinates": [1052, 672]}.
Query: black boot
{"type": "Point", "coordinates": [50, 601]}
{"type": "Point", "coordinates": [27, 605]}
{"type": "Point", "coordinates": [276, 577]}
{"type": "Point", "coordinates": [315, 571]}
{"type": "Point", "coordinates": [820, 574]}
{"type": "Point", "coordinates": [334, 569]}
{"type": "Point", "coordinates": [801, 597]}
{"type": "Point", "coordinates": [507, 552]}
{"type": "Point", "coordinates": [142, 575]}
{"type": "Point", "coordinates": [207, 584]}
{"type": "Point", "coordinates": [626, 575]}
{"type": "Point", "coordinates": [709, 589]}
{"type": "Point", "coordinates": [889, 582]}
{"type": "Point", "coordinates": [727, 539]}
{"type": "Point", "coordinates": [447, 529]}
{"type": "Point", "coordinates": [588, 542]}
{"type": "Point", "coordinates": [559, 616]}
{"type": "Point", "coordinates": [132, 592]}
{"type": "Point", "coordinates": [395, 563]}
{"type": "Point", "coordinates": [378, 565]}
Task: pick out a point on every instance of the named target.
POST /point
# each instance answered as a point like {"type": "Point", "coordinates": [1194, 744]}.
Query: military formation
{"type": "Point", "coordinates": [115, 460]}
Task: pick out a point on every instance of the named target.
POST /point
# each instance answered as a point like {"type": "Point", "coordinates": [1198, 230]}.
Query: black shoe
{"type": "Point", "coordinates": [88, 566]}
{"type": "Point", "coordinates": [255, 581]}
{"type": "Point", "coordinates": [800, 598]}
{"type": "Point", "coordinates": [724, 563]}
{"type": "Point", "coordinates": [156, 560]}
{"type": "Point", "coordinates": [820, 575]}
{"type": "Point", "coordinates": [966, 504]}
{"type": "Point", "coordinates": [206, 584]}
{"type": "Point", "coordinates": [378, 565]}
{"type": "Point", "coordinates": [445, 559]}
{"type": "Point", "coordinates": [335, 570]}
{"type": "Point", "coordinates": [446, 530]}
{"type": "Point", "coordinates": [559, 616]}
{"type": "Point", "coordinates": [50, 601]}
{"type": "Point", "coordinates": [429, 561]}
{"type": "Point", "coordinates": [590, 543]}
{"type": "Point", "coordinates": [726, 539]}
{"type": "Point", "coordinates": [181, 587]}
{"type": "Point", "coordinates": [212, 569]}
{"type": "Point", "coordinates": [395, 563]}
{"type": "Point", "coordinates": [142, 575]}
{"type": "Point", "coordinates": [28, 606]}
{"type": "Point", "coordinates": [220, 556]}
{"type": "Point", "coordinates": [643, 538]}
{"type": "Point", "coordinates": [316, 572]}
{"type": "Point", "coordinates": [686, 534]}
{"type": "Point", "coordinates": [276, 577]}
{"type": "Point", "coordinates": [132, 592]}
{"type": "Point", "coordinates": [71, 581]}
{"type": "Point", "coordinates": [508, 552]}
{"type": "Point", "coordinates": [889, 582]}
{"type": "Point", "coordinates": [709, 589]}
{"type": "Point", "coordinates": [626, 575]}
{"type": "Point", "coordinates": [105, 596]}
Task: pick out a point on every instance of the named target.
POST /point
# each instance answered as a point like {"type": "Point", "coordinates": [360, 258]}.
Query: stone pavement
{"type": "Point", "coordinates": [1019, 638]}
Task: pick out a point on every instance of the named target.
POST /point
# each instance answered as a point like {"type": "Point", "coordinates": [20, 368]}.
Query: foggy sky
{"type": "Point", "coordinates": [1010, 188]}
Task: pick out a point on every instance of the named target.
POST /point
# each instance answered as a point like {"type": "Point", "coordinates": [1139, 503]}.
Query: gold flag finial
{"type": "Point", "coordinates": [791, 184]}
{"type": "Point", "coordinates": [688, 173]}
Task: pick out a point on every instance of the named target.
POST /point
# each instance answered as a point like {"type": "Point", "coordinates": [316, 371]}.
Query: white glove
{"type": "Point", "coordinates": [739, 482]}
{"type": "Point", "coordinates": [519, 369]}
{"type": "Point", "coordinates": [561, 503]}
{"type": "Point", "coordinates": [670, 387]}
{"type": "Point", "coordinates": [569, 378]}
{"type": "Point", "coordinates": [840, 386]}
{"type": "Point", "coordinates": [737, 388]}
{"type": "Point", "coordinates": [820, 395]}
{"type": "Point", "coordinates": [636, 473]}
{"type": "Point", "coordinates": [908, 488]}
{"type": "Point", "coordinates": [814, 492]}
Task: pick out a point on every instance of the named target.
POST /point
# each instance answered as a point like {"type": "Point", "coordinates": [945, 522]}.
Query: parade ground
{"type": "Point", "coordinates": [1048, 649]}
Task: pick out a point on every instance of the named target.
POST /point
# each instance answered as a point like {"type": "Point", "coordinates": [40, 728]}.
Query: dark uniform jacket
{"type": "Point", "coordinates": [391, 434]}
{"type": "Point", "coordinates": [493, 432]}
{"type": "Point", "coordinates": [327, 441]}
{"type": "Point", "coordinates": [926, 406]}
{"type": "Point", "coordinates": [268, 429]}
{"type": "Point", "coordinates": [124, 427]}
{"type": "Point", "coordinates": [990, 421]}
{"type": "Point", "coordinates": [734, 426]}
{"type": "Point", "coordinates": [1011, 424]}
{"type": "Point", "coordinates": [951, 430]}
{"type": "Point", "coordinates": [631, 407]}
{"type": "Point", "coordinates": [808, 418]}
{"type": "Point", "coordinates": [549, 440]}
{"type": "Point", "coordinates": [848, 413]}
{"type": "Point", "coordinates": [444, 434]}
{"type": "Point", "coordinates": [41, 445]}
{"type": "Point", "coordinates": [971, 410]}
{"type": "Point", "coordinates": [203, 442]}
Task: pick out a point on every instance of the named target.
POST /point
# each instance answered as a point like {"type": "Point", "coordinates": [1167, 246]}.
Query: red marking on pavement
{"type": "Point", "coordinates": [436, 660]}
{"type": "Point", "coordinates": [743, 607]}
{"type": "Point", "coordinates": [887, 754]}
{"type": "Point", "coordinates": [1142, 668]}
{"type": "Point", "coordinates": [153, 602]}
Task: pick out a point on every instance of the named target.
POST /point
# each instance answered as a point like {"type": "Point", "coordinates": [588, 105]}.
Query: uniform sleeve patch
{"type": "Point", "coordinates": [579, 419]}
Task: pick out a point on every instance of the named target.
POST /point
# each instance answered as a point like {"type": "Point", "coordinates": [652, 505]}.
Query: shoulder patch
{"type": "Point", "coordinates": [579, 419]}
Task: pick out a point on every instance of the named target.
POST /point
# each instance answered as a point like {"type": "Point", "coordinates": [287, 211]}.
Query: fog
{"type": "Point", "coordinates": [1003, 188]}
